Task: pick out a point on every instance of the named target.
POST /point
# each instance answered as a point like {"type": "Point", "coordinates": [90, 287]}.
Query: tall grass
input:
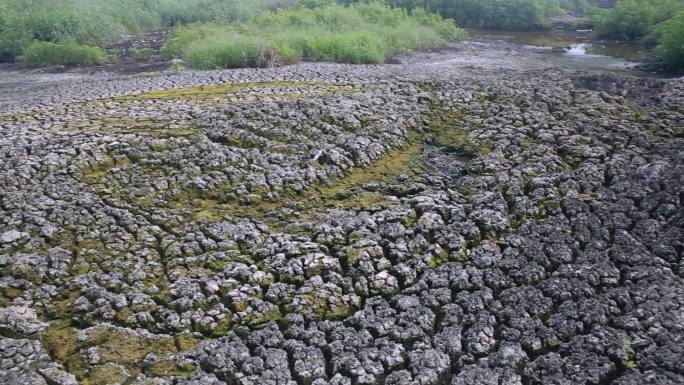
{"type": "Point", "coordinates": [43, 53]}
{"type": "Point", "coordinates": [100, 22]}
{"type": "Point", "coordinates": [223, 33]}
{"type": "Point", "coordinates": [360, 33]}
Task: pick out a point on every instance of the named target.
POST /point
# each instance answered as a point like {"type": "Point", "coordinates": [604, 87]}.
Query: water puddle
{"type": "Point", "coordinates": [576, 48]}
{"type": "Point", "coordinates": [594, 55]}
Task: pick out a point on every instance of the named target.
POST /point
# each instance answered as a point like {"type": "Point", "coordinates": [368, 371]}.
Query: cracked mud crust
{"type": "Point", "coordinates": [330, 224]}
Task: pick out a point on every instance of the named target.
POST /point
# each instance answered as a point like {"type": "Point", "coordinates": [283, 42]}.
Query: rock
{"type": "Point", "coordinates": [456, 218]}
{"type": "Point", "coordinates": [12, 236]}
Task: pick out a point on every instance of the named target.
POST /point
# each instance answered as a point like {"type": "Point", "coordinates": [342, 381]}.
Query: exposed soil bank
{"type": "Point", "coordinates": [479, 214]}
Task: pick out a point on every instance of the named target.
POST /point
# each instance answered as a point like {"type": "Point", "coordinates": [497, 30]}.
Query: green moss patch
{"type": "Point", "coordinates": [259, 89]}
{"type": "Point", "coordinates": [96, 174]}
{"type": "Point", "coordinates": [392, 164]}
{"type": "Point", "coordinates": [121, 352]}
{"type": "Point", "coordinates": [445, 131]}
{"type": "Point", "coordinates": [165, 368]}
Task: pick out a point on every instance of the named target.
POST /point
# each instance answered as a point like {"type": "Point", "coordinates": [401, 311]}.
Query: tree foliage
{"type": "Point", "coordinates": [494, 14]}
{"type": "Point", "coordinates": [671, 40]}
{"type": "Point", "coordinates": [633, 19]}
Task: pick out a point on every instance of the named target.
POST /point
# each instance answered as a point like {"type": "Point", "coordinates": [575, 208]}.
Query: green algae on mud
{"type": "Point", "coordinates": [443, 130]}
{"type": "Point", "coordinates": [124, 357]}
{"type": "Point", "coordinates": [445, 125]}
{"type": "Point", "coordinates": [96, 174]}
{"type": "Point", "coordinates": [215, 204]}
{"type": "Point", "coordinates": [284, 89]}
{"type": "Point", "coordinates": [330, 308]}
{"type": "Point", "coordinates": [7, 294]}
{"type": "Point", "coordinates": [125, 124]}
{"type": "Point", "coordinates": [121, 353]}
{"type": "Point", "coordinates": [340, 193]}
{"type": "Point", "coordinates": [393, 163]}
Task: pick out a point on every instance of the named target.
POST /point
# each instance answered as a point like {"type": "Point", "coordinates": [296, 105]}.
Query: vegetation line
{"type": "Point", "coordinates": [259, 33]}
{"type": "Point", "coordinates": [359, 33]}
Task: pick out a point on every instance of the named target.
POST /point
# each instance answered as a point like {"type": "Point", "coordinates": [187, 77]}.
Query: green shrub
{"type": "Point", "coordinates": [42, 53]}
{"type": "Point", "coordinates": [576, 6]}
{"type": "Point", "coordinates": [239, 52]}
{"type": "Point", "coordinates": [629, 19]}
{"type": "Point", "coordinates": [360, 33]}
{"type": "Point", "coordinates": [495, 14]}
{"type": "Point", "coordinates": [671, 41]}
{"type": "Point", "coordinates": [176, 66]}
{"type": "Point", "coordinates": [100, 22]}
{"type": "Point", "coordinates": [348, 47]}
{"type": "Point", "coordinates": [141, 53]}
{"type": "Point", "coordinates": [655, 22]}
{"type": "Point", "coordinates": [182, 36]}
{"type": "Point", "coordinates": [632, 19]}
{"type": "Point", "coordinates": [288, 52]}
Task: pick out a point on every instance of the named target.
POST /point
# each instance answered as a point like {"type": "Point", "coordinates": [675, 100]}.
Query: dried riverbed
{"type": "Point", "coordinates": [468, 216]}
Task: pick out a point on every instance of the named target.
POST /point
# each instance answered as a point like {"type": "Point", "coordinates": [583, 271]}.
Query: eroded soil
{"type": "Point", "coordinates": [455, 219]}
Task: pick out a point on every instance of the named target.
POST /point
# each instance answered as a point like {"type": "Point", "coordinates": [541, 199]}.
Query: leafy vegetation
{"type": "Point", "coordinates": [43, 53]}
{"type": "Point", "coordinates": [495, 14]}
{"type": "Point", "coordinates": [650, 20]}
{"type": "Point", "coordinates": [359, 33]}
{"type": "Point", "coordinates": [633, 19]}
{"type": "Point", "coordinates": [628, 359]}
{"type": "Point", "coordinates": [236, 33]}
{"type": "Point", "coordinates": [98, 23]}
{"type": "Point", "coordinates": [141, 53]}
{"type": "Point", "coordinates": [657, 22]}
{"type": "Point", "coordinates": [582, 7]}
{"type": "Point", "coordinates": [671, 40]}
{"type": "Point", "coordinates": [575, 6]}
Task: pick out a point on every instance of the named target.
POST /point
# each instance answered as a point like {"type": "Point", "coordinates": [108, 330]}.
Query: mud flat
{"type": "Point", "coordinates": [462, 217]}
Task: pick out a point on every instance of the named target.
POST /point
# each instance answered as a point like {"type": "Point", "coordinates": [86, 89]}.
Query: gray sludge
{"type": "Point", "coordinates": [345, 225]}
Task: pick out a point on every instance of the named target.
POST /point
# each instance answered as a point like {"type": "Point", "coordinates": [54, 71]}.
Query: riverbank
{"type": "Point", "coordinates": [583, 46]}
{"type": "Point", "coordinates": [502, 51]}
{"type": "Point", "coordinates": [561, 48]}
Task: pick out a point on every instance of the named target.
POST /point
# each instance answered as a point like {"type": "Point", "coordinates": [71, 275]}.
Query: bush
{"type": "Point", "coordinates": [99, 22]}
{"type": "Point", "coordinates": [577, 7]}
{"type": "Point", "coordinates": [360, 33]}
{"type": "Point", "coordinates": [42, 53]}
{"type": "Point", "coordinates": [182, 36]}
{"type": "Point", "coordinates": [141, 53]}
{"type": "Point", "coordinates": [632, 19]}
{"type": "Point", "coordinates": [240, 52]}
{"type": "Point", "coordinates": [671, 41]}
{"type": "Point", "coordinates": [495, 14]}
{"type": "Point", "coordinates": [629, 19]}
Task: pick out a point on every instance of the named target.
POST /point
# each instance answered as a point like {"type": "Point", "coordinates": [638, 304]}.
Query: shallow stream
{"type": "Point", "coordinates": [578, 48]}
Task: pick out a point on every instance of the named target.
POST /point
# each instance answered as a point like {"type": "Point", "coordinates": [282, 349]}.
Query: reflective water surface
{"type": "Point", "coordinates": [577, 47]}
